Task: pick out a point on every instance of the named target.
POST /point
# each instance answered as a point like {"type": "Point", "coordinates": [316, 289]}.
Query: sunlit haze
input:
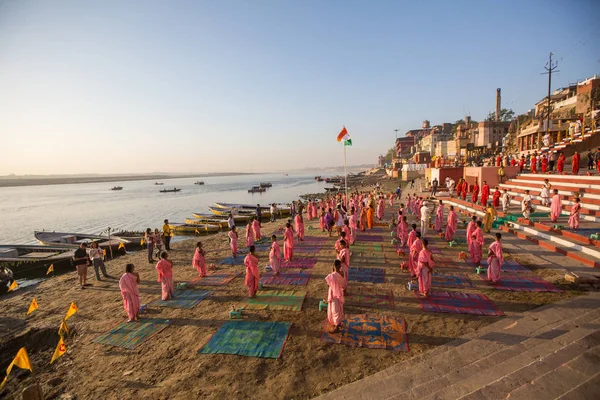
{"type": "Point", "coordinates": [208, 86]}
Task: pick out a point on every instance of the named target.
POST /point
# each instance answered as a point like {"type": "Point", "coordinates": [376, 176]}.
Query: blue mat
{"type": "Point", "coordinates": [373, 275]}
{"type": "Point", "coordinates": [187, 299]}
{"type": "Point", "coordinates": [233, 261]}
{"type": "Point", "coordinates": [129, 335]}
{"type": "Point", "coordinates": [249, 338]}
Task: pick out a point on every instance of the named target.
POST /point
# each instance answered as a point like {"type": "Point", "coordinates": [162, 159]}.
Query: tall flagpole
{"type": "Point", "coordinates": [346, 176]}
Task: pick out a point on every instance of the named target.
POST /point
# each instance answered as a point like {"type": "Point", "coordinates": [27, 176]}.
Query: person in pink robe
{"type": "Point", "coordinates": [471, 228]}
{"type": "Point", "coordinates": [299, 227]}
{"type": "Point", "coordinates": [485, 193]}
{"type": "Point", "coordinates": [439, 217]}
{"type": "Point", "coordinates": [275, 255]}
{"type": "Point", "coordinates": [322, 220]}
{"type": "Point", "coordinates": [574, 214]}
{"type": "Point", "coordinates": [380, 208]}
{"type": "Point", "coordinates": [344, 257]}
{"type": "Point", "coordinates": [164, 267]}
{"type": "Point", "coordinates": [476, 245]}
{"type": "Point", "coordinates": [418, 208]}
{"type": "Point", "coordinates": [199, 261]}
{"type": "Point", "coordinates": [252, 274]}
{"type": "Point", "coordinates": [288, 242]}
{"type": "Point", "coordinates": [308, 210]}
{"type": "Point", "coordinates": [130, 293]}
{"type": "Point", "coordinates": [338, 243]}
{"type": "Point", "coordinates": [391, 200]}
{"type": "Point", "coordinates": [451, 224]}
{"type": "Point", "coordinates": [424, 270]}
{"type": "Point", "coordinates": [335, 296]}
{"type": "Point", "coordinates": [415, 249]}
{"type": "Point", "coordinates": [495, 259]}
{"type": "Point", "coordinates": [412, 235]}
{"type": "Point", "coordinates": [249, 234]}
{"type": "Point", "coordinates": [233, 241]}
{"type": "Point", "coordinates": [346, 229]}
{"type": "Point", "coordinates": [403, 231]}
{"type": "Point", "coordinates": [256, 229]}
{"type": "Point", "coordinates": [556, 207]}
{"type": "Point", "coordinates": [353, 226]}
{"type": "Point", "coordinates": [315, 209]}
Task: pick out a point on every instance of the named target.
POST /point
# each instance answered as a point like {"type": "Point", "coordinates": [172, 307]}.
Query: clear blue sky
{"type": "Point", "coordinates": [202, 86]}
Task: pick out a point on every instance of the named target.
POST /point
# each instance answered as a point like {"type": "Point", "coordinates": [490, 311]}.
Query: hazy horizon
{"type": "Point", "coordinates": [111, 86]}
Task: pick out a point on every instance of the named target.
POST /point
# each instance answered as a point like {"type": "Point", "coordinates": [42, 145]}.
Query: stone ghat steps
{"type": "Point", "coordinates": [557, 344]}
{"type": "Point", "coordinates": [586, 201]}
{"type": "Point", "coordinates": [566, 233]}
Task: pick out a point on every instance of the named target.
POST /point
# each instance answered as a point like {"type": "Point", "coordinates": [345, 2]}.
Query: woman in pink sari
{"type": "Point", "coordinates": [335, 296]}
{"type": "Point", "coordinates": [252, 274]}
{"type": "Point", "coordinates": [380, 208]}
{"type": "Point", "coordinates": [322, 220]}
{"type": "Point", "coordinates": [344, 257]}
{"type": "Point", "coordinates": [249, 234]}
{"type": "Point", "coordinates": [439, 217]}
{"type": "Point", "coordinates": [353, 226]}
{"type": "Point", "coordinates": [275, 255]}
{"type": "Point", "coordinates": [424, 270]}
{"type": "Point", "coordinates": [556, 207]}
{"type": "Point", "coordinates": [129, 291]}
{"type": "Point", "coordinates": [165, 276]}
{"type": "Point", "coordinates": [233, 241]}
{"type": "Point", "coordinates": [476, 245]}
{"type": "Point", "coordinates": [574, 214]}
{"type": "Point", "coordinates": [308, 210]}
{"type": "Point", "coordinates": [391, 199]}
{"type": "Point", "coordinates": [403, 231]}
{"type": "Point", "coordinates": [495, 260]}
{"type": "Point", "coordinates": [471, 228]}
{"type": "Point", "coordinates": [256, 229]}
{"type": "Point", "coordinates": [299, 227]}
{"type": "Point", "coordinates": [451, 224]}
{"type": "Point", "coordinates": [413, 258]}
{"type": "Point", "coordinates": [199, 262]}
{"type": "Point", "coordinates": [288, 243]}
{"type": "Point", "coordinates": [315, 209]}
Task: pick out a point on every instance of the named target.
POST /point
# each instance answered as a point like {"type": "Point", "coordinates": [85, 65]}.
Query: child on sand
{"type": "Point", "coordinates": [288, 243]}
{"type": "Point", "coordinates": [199, 261]}
{"type": "Point", "coordinates": [424, 270]}
{"type": "Point", "coordinates": [129, 291]}
{"type": "Point", "coordinates": [335, 296]}
{"type": "Point", "coordinates": [495, 260]}
{"type": "Point", "coordinates": [476, 245]}
{"type": "Point", "coordinates": [252, 274]}
{"type": "Point", "coordinates": [233, 239]}
{"type": "Point", "coordinates": [275, 255]}
{"type": "Point", "coordinates": [165, 276]}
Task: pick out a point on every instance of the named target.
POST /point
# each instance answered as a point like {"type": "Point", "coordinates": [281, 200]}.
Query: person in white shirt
{"type": "Point", "coordinates": [505, 199]}
{"type": "Point", "coordinates": [451, 185]}
{"type": "Point", "coordinates": [545, 193]}
{"type": "Point", "coordinates": [425, 213]}
{"type": "Point", "coordinates": [273, 212]}
{"type": "Point", "coordinates": [97, 256]}
{"type": "Point", "coordinates": [526, 205]}
{"type": "Point", "coordinates": [230, 221]}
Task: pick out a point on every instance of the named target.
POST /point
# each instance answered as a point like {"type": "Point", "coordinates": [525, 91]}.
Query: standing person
{"type": "Point", "coordinates": [233, 241]}
{"type": "Point", "coordinates": [275, 256]}
{"type": "Point", "coordinates": [81, 260]}
{"type": "Point", "coordinates": [347, 231]}
{"type": "Point", "coordinates": [273, 210]}
{"type": "Point", "coordinates": [496, 197]}
{"type": "Point", "coordinates": [97, 257]}
{"type": "Point", "coordinates": [574, 214]}
{"type": "Point", "coordinates": [590, 163]}
{"type": "Point", "coordinates": [370, 214]}
{"type": "Point", "coordinates": [424, 270]}
{"type": "Point", "coordinates": [545, 193]}
{"type": "Point", "coordinates": [335, 296]}
{"type": "Point", "coordinates": [252, 274]}
{"type": "Point", "coordinates": [534, 163]}
{"type": "Point", "coordinates": [199, 260]}
{"type": "Point", "coordinates": [293, 209]}
{"type": "Point", "coordinates": [322, 222]}
{"type": "Point", "coordinates": [451, 224]}
{"type": "Point", "coordinates": [412, 183]}
{"type": "Point", "coordinates": [552, 158]}
{"type": "Point", "coordinates": [465, 189]}
{"type": "Point", "coordinates": [544, 164]}
{"type": "Point", "coordinates": [485, 193]}
{"type": "Point", "coordinates": [339, 216]}
{"type": "Point", "coordinates": [495, 259]}
{"type": "Point", "coordinates": [398, 193]}
{"type": "Point", "coordinates": [451, 186]}
{"type": "Point", "coordinates": [471, 228]}
{"type": "Point", "coordinates": [288, 243]}
{"type": "Point", "coordinates": [308, 210]}
{"type": "Point", "coordinates": [476, 245]}
{"type": "Point", "coordinates": [521, 164]}
{"type": "Point", "coordinates": [488, 219]}
{"type": "Point", "coordinates": [249, 233]}
{"type": "Point", "coordinates": [526, 207]}
{"type": "Point", "coordinates": [475, 194]}
{"type": "Point", "coordinates": [413, 258]}
{"type": "Point", "coordinates": [425, 215]}
{"type": "Point", "coordinates": [300, 227]}
{"type": "Point", "coordinates": [556, 208]}
{"type": "Point", "coordinates": [230, 221]}
{"type": "Point", "coordinates": [329, 222]}
{"type": "Point", "coordinates": [158, 242]}
{"type": "Point", "coordinates": [575, 163]}
{"type": "Point", "coordinates": [353, 226]}
{"type": "Point", "coordinates": [501, 174]}
{"type": "Point", "coordinates": [505, 201]}
{"type": "Point", "coordinates": [165, 276]}
{"type": "Point", "coordinates": [256, 228]}
{"type": "Point", "coordinates": [129, 292]}
{"type": "Point", "coordinates": [434, 186]}
{"type": "Point", "coordinates": [150, 239]}
{"type": "Point", "coordinates": [344, 257]}
{"type": "Point", "coordinates": [439, 217]}
{"type": "Point", "coordinates": [403, 231]}
{"type": "Point", "coordinates": [380, 208]}
{"type": "Point", "coordinates": [167, 233]}
{"type": "Point", "coordinates": [258, 213]}
{"type": "Point", "coordinates": [459, 187]}
{"type": "Point", "coordinates": [412, 235]}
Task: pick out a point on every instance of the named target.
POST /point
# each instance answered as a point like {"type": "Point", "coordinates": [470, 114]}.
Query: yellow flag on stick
{"type": "Point", "coordinates": [50, 269]}
{"type": "Point", "coordinates": [13, 286]}
{"type": "Point", "coordinates": [197, 231]}
{"type": "Point", "coordinates": [60, 350]}
{"type": "Point", "coordinates": [63, 328]}
{"type": "Point", "coordinates": [121, 246]}
{"type": "Point", "coordinates": [33, 306]}
{"type": "Point", "coordinates": [21, 360]}
{"type": "Point", "coordinates": [142, 242]}
{"type": "Point", "coordinates": [72, 310]}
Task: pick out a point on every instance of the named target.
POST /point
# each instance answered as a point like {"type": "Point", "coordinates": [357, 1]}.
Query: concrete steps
{"type": "Point", "coordinates": [502, 358]}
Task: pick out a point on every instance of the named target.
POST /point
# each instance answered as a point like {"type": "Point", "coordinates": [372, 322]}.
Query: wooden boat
{"type": "Point", "coordinates": [234, 211]}
{"type": "Point", "coordinates": [199, 183]}
{"type": "Point", "coordinates": [257, 189]}
{"type": "Point", "coordinates": [72, 240]}
{"type": "Point", "coordinates": [248, 209]}
{"type": "Point", "coordinates": [133, 236]}
{"type": "Point", "coordinates": [158, 183]}
{"type": "Point", "coordinates": [319, 179]}
{"type": "Point", "coordinates": [331, 189]}
{"type": "Point", "coordinates": [117, 188]}
{"type": "Point", "coordinates": [236, 218]}
{"type": "Point", "coordinates": [211, 221]}
{"type": "Point", "coordinates": [266, 184]}
{"type": "Point", "coordinates": [170, 190]}
{"type": "Point", "coordinates": [182, 228]}
{"type": "Point", "coordinates": [32, 253]}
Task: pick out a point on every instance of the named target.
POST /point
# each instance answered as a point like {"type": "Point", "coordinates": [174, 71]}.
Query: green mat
{"type": "Point", "coordinates": [514, 217]}
{"type": "Point", "coordinates": [367, 247]}
{"type": "Point", "coordinates": [186, 298]}
{"type": "Point", "coordinates": [129, 335]}
{"type": "Point", "coordinates": [249, 338]}
{"type": "Point", "coordinates": [290, 300]}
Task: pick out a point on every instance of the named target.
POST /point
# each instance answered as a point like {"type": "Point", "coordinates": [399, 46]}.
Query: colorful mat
{"type": "Point", "coordinates": [366, 238]}
{"type": "Point", "coordinates": [373, 275]}
{"type": "Point", "coordinates": [308, 262]}
{"type": "Point", "coordinates": [219, 279]}
{"type": "Point", "coordinates": [522, 283]}
{"type": "Point", "coordinates": [290, 300]}
{"type": "Point", "coordinates": [299, 278]}
{"type": "Point", "coordinates": [367, 247]}
{"type": "Point", "coordinates": [249, 338]}
{"type": "Point", "coordinates": [239, 260]}
{"type": "Point", "coordinates": [129, 335]}
{"type": "Point", "coordinates": [435, 250]}
{"type": "Point", "coordinates": [368, 297]}
{"type": "Point", "coordinates": [186, 298]}
{"type": "Point", "coordinates": [459, 303]}
{"type": "Point", "coordinates": [308, 249]}
{"type": "Point", "coordinates": [451, 281]}
{"type": "Point", "coordinates": [372, 331]}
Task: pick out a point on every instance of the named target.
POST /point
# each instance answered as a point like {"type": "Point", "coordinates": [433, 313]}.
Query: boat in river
{"type": "Point", "coordinates": [31, 253]}
{"type": "Point", "coordinates": [73, 240]}
{"type": "Point", "coordinates": [257, 189]}
{"type": "Point", "coordinates": [158, 183]}
{"type": "Point", "coordinates": [182, 228]}
{"type": "Point", "coordinates": [199, 183]}
{"type": "Point", "coordinates": [117, 188]}
{"type": "Point", "coordinates": [249, 209]}
{"type": "Point", "coordinates": [221, 217]}
{"type": "Point", "coordinates": [174, 190]}
{"type": "Point", "coordinates": [266, 184]}
{"type": "Point", "coordinates": [210, 221]}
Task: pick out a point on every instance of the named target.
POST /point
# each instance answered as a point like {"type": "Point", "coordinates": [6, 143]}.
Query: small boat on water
{"type": "Point", "coordinates": [332, 189]}
{"type": "Point", "coordinates": [158, 183]}
{"type": "Point", "coordinates": [319, 179]}
{"type": "Point", "coordinates": [199, 183]}
{"type": "Point", "coordinates": [257, 189]}
{"type": "Point", "coordinates": [218, 208]}
{"type": "Point", "coordinates": [207, 217]}
{"type": "Point", "coordinates": [133, 236]}
{"type": "Point", "coordinates": [72, 240]}
{"type": "Point", "coordinates": [266, 184]}
{"type": "Point", "coordinates": [182, 228]}
{"type": "Point", "coordinates": [117, 188]}
{"type": "Point", "coordinates": [31, 253]}
{"type": "Point", "coordinates": [210, 221]}
{"type": "Point", "coordinates": [174, 190]}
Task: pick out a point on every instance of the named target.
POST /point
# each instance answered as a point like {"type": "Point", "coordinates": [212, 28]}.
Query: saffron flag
{"type": "Point", "coordinates": [60, 350]}
{"type": "Point", "coordinates": [121, 246]}
{"type": "Point", "coordinates": [345, 136]}
{"type": "Point", "coordinates": [63, 328]}
{"type": "Point", "coordinates": [13, 286]}
{"type": "Point", "coordinates": [50, 269]}
{"type": "Point", "coordinates": [197, 231]}
{"type": "Point", "coordinates": [21, 360]}
{"type": "Point", "coordinates": [72, 310]}
{"type": "Point", "coordinates": [142, 242]}
{"type": "Point", "coordinates": [33, 306]}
